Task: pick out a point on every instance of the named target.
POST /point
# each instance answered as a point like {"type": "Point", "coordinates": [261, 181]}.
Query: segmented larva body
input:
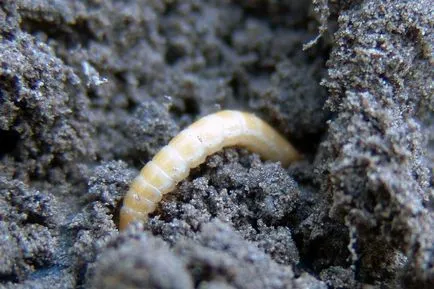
{"type": "Point", "coordinates": [191, 147]}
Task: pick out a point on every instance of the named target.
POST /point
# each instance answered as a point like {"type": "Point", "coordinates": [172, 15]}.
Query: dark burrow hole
{"type": "Point", "coordinates": [308, 144]}
{"type": "Point", "coordinates": [13, 278]}
{"type": "Point", "coordinates": [191, 106]}
{"type": "Point", "coordinates": [8, 141]}
{"type": "Point", "coordinates": [174, 54]}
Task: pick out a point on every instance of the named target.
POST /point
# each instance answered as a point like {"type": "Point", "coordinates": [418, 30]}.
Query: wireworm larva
{"type": "Point", "coordinates": [191, 147]}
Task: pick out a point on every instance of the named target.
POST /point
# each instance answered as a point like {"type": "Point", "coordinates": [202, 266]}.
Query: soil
{"type": "Point", "coordinates": [91, 90]}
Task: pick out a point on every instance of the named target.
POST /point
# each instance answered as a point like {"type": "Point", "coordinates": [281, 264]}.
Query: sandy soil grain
{"type": "Point", "coordinates": [91, 90]}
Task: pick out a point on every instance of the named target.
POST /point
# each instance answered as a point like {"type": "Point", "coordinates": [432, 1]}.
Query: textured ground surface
{"type": "Point", "coordinates": [90, 90]}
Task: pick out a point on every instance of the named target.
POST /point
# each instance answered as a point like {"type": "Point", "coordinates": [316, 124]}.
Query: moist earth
{"type": "Point", "coordinates": [91, 90]}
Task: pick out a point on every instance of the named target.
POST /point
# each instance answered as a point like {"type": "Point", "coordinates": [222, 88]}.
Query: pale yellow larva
{"type": "Point", "coordinates": [191, 147]}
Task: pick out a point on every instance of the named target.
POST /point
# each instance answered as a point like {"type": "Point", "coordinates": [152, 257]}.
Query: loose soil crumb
{"type": "Point", "coordinates": [91, 90]}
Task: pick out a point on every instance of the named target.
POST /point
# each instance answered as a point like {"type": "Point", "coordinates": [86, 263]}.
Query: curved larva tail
{"type": "Point", "coordinates": [191, 147]}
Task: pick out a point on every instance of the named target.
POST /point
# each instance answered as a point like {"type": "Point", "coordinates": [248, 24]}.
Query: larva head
{"type": "Point", "coordinates": [127, 216]}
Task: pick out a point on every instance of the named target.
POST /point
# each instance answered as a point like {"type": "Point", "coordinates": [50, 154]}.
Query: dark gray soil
{"type": "Point", "coordinates": [91, 90]}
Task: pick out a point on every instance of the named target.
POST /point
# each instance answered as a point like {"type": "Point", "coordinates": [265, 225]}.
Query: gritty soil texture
{"type": "Point", "coordinates": [90, 90]}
